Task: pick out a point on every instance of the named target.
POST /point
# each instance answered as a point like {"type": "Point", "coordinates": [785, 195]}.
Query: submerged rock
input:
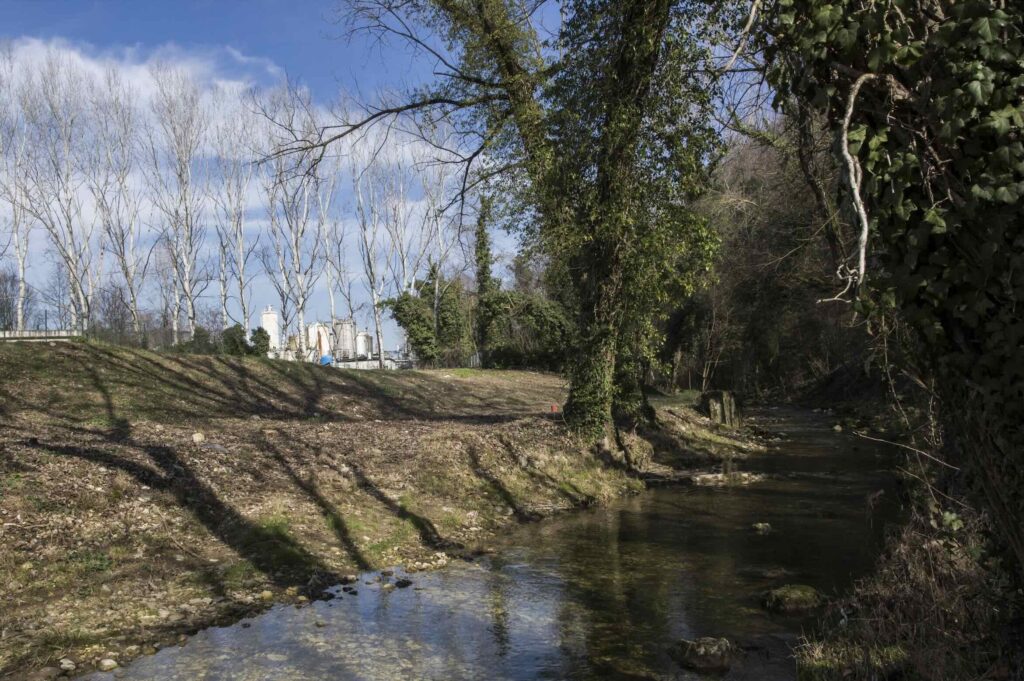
{"type": "Point", "coordinates": [726, 479]}
{"type": "Point", "coordinates": [792, 598]}
{"type": "Point", "coordinates": [706, 654]}
{"type": "Point", "coordinates": [762, 528]}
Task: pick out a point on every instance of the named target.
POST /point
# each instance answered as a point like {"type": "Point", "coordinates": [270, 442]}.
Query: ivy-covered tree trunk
{"type": "Point", "coordinates": [486, 286]}
{"type": "Point", "coordinates": [925, 100]}
{"type": "Point", "coordinates": [591, 367]}
{"type": "Point", "coordinates": [599, 270]}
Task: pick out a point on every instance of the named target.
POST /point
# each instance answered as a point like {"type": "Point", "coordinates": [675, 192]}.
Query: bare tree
{"type": "Point", "coordinates": [168, 290]}
{"type": "Point", "coordinates": [53, 103]}
{"type": "Point", "coordinates": [409, 237]}
{"type": "Point", "coordinates": [173, 145]}
{"type": "Point", "coordinates": [340, 277]}
{"type": "Point", "coordinates": [13, 148]}
{"type": "Point", "coordinates": [442, 232]}
{"type": "Point", "coordinates": [298, 206]}
{"type": "Point", "coordinates": [369, 188]}
{"type": "Point", "coordinates": [234, 142]}
{"type": "Point", "coordinates": [111, 181]}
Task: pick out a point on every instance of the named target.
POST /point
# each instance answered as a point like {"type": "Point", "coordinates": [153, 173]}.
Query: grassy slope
{"type": "Point", "coordinates": [117, 528]}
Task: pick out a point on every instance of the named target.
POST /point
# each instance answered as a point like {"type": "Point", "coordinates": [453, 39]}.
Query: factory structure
{"type": "Point", "coordinates": [338, 343]}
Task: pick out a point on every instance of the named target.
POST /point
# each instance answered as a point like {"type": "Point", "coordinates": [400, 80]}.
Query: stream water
{"type": "Point", "coordinates": [599, 594]}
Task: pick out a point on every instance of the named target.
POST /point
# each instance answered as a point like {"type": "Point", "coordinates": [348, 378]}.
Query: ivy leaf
{"type": "Point", "coordinates": [934, 218]}
{"type": "Point", "coordinates": [983, 27]}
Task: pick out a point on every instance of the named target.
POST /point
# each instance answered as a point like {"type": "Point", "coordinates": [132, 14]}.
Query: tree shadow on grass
{"type": "Point", "coordinates": [268, 548]}
{"type": "Point", "coordinates": [334, 519]}
{"type": "Point", "coordinates": [499, 487]}
{"type": "Point", "coordinates": [424, 526]}
{"type": "Point", "coordinates": [564, 488]}
{"type": "Point", "coordinates": [278, 556]}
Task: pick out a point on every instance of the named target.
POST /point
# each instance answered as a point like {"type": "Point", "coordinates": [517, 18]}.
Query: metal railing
{"type": "Point", "coordinates": [52, 334]}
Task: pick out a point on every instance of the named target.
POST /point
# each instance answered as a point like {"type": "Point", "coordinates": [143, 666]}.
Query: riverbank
{"type": "Point", "coordinates": [940, 604]}
{"type": "Point", "coordinates": [146, 496]}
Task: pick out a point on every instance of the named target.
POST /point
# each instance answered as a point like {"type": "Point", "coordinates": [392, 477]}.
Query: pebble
{"type": "Point", "coordinates": [838, 428]}
{"type": "Point", "coordinates": [198, 438]}
{"type": "Point", "coordinates": [106, 664]}
{"type": "Point", "coordinates": [67, 664]}
{"type": "Point", "coordinates": [266, 594]}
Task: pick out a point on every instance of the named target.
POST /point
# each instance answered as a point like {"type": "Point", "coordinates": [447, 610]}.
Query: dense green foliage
{"type": "Point", "coordinates": [260, 341]}
{"type": "Point", "coordinates": [414, 314]}
{"type": "Point", "coordinates": [486, 284]}
{"type": "Point", "coordinates": [525, 330]}
{"type": "Point", "coordinates": [232, 341]}
{"type": "Point", "coordinates": [928, 95]}
{"type": "Point", "coordinates": [435, 317]}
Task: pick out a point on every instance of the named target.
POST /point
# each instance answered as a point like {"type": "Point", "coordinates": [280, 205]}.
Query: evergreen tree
{"type": "Point", "coordinates": [260, 340]}
{"type": "Point", "coordinates": [486, 284]}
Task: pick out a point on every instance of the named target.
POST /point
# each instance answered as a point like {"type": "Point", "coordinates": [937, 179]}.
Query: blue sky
{"type": "Point", "coordinates": [299, 36]}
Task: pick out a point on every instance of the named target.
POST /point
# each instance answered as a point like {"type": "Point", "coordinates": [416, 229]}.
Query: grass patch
{"type": "Point", "coordinates": [91, 561]}
{"type": "Point", "coordinates": [240, 574]}
{"type": "Point", "coordinates": [818, 661]}
{"type": "Point", "coordinates": [61, 640]}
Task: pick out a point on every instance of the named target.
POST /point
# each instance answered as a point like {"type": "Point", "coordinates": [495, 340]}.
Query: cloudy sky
{"type": "Point", "coordinates": [250, 42]}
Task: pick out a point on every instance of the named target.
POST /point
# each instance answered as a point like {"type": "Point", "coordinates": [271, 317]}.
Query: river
{"type": "Point", "coordinates": [598, 594]}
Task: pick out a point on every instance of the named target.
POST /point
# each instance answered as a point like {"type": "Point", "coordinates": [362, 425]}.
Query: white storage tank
{"type": "Point", "coordinates": [270, 324]}
{"type": "Point", "coordinates": [318, 341]}
{"type": "Point", "coordinates": [344, 339]}
{"type": "Point", "coordinates": [364, 345]}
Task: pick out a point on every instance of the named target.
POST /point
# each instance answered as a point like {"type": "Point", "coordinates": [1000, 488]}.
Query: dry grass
{"type": "Point", "coordinates": [939, 608]}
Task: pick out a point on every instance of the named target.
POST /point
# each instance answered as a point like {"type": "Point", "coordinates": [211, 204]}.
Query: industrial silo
{"type": "Point", "coordinates": [344, 339]}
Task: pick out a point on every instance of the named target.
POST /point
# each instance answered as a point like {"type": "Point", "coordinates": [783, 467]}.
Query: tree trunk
{"type": "Point", "coordinates": [591, 380]}
{"type": "Point", "coordinates": [378, 331]}
{"type": "Point", "coordinates": [22, 285]}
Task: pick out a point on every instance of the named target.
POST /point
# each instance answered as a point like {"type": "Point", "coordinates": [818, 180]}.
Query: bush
{"type": "Point", "coordinates": [232, 341]}
{"type": "Point", "coordinates": [260, 341]}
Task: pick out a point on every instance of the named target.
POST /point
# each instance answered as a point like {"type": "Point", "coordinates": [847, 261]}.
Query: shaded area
{"type": "Point", "coordinates": [424, 526]}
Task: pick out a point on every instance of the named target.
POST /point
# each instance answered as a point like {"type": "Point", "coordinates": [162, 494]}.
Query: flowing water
{"type": "Point", "coordinates": [599, 594]}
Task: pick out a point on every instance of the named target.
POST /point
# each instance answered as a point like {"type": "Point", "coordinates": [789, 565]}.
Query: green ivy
{"type": "Point", "coordinates": [937, 129]}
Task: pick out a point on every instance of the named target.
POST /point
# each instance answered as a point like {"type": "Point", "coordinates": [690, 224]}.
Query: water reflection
{"type": "Point", "coordinates": [596, 595]}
